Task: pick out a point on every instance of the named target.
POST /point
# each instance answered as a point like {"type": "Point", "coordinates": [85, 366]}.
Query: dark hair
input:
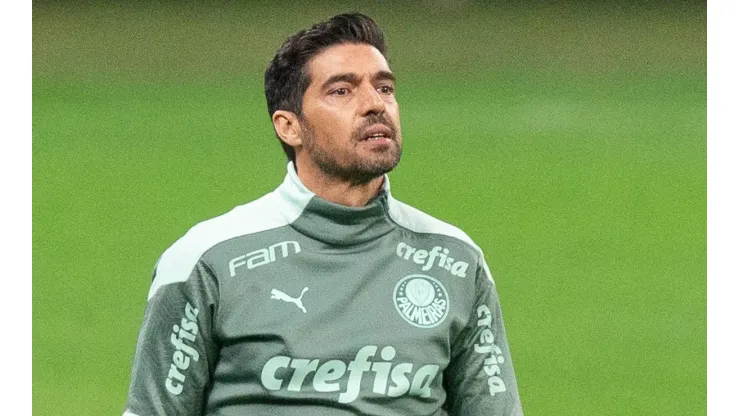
{"type": "Point", "coordinates": [286, 78]}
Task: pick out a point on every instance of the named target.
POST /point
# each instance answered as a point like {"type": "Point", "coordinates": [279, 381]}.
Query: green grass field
{"type": "Point", "coordinates": [568, 141]}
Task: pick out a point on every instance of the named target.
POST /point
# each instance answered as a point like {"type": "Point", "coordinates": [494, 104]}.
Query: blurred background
{"type": "Point", "coordinates": [568, 139]}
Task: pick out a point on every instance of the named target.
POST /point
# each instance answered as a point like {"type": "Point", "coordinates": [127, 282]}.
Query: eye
{"type": "Point", "coordinates": [340, 91]}
{"type": "Point", "coordinates": [386, 89]}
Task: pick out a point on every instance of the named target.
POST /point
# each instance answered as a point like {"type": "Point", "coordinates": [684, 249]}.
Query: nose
{"type": "Point", "coordinates": [372, 102]}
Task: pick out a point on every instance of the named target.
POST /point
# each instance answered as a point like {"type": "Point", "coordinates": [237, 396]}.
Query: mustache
{"type": "Point", "coordinates": [372, 120]}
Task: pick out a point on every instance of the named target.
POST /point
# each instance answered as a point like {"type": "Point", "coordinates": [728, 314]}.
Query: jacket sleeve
{"type": "Point", "coordinates": [175, 351]}
{"type": "Point", "coordinates": [480, 377]}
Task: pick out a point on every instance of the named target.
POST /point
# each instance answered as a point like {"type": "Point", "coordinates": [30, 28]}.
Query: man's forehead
{"type": "Point", "coordinates": [361, 59]}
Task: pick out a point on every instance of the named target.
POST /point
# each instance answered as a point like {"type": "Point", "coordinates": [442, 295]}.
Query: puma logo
{"type": "Point", "coordinates": [276, 294]}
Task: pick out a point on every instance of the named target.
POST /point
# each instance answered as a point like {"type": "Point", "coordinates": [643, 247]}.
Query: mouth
{"type": "Point", "coordinates": [377, 132]}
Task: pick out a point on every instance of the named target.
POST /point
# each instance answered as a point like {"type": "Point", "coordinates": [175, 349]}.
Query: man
{"type": "Point", "coordinates": [326, 296]}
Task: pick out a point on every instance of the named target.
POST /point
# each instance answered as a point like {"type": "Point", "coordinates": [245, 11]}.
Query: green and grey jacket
{"type": "Point", "coordinates": [292, 304]}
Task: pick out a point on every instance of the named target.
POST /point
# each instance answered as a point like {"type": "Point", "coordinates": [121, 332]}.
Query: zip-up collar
{"type": "Point", "coordinates": [333, 223]}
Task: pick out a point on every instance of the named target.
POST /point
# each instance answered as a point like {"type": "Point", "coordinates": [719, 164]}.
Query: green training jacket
{"type": "Point", "coordinates": [294, 305]}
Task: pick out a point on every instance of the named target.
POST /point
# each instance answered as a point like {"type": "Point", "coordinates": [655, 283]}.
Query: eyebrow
{"type": "Point", "coordinates": [353, 78]}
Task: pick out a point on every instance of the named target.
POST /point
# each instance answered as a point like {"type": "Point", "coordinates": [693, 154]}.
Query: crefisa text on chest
{"type": "Point", "coordinates": [437, 256]}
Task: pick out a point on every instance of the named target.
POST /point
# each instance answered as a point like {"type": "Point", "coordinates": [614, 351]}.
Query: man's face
{"type": "Point", "coordinates": [350, 123]}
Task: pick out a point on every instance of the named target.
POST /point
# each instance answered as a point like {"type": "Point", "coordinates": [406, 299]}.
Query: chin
{"type": "Point", "coordinates": [379, 167]}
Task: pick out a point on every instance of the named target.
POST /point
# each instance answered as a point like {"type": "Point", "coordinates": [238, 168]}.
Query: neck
{"type": "Point", "coordinates": [338, 190]}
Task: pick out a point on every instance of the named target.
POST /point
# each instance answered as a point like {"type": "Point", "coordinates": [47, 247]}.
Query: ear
{"type": "Point", "coordinates": [287, 127]}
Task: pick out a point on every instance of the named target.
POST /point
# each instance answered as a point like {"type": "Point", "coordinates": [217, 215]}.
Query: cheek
{"type": "Point", "coordinates": [334, 125]}
{"type": "Point", "coordinates": [392, 111]}
{"type": "Point", "coordinates": [331, 132]}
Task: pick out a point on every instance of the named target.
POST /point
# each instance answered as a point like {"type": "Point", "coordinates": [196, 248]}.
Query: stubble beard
{"type": "Point", "coordinates": [349, 166]}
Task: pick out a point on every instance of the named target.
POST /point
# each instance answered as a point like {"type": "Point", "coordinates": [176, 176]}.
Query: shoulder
{"type": "Point", "coordinates": [177, 262]}
{"type": "Point", "coordinates": [419, 221]}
